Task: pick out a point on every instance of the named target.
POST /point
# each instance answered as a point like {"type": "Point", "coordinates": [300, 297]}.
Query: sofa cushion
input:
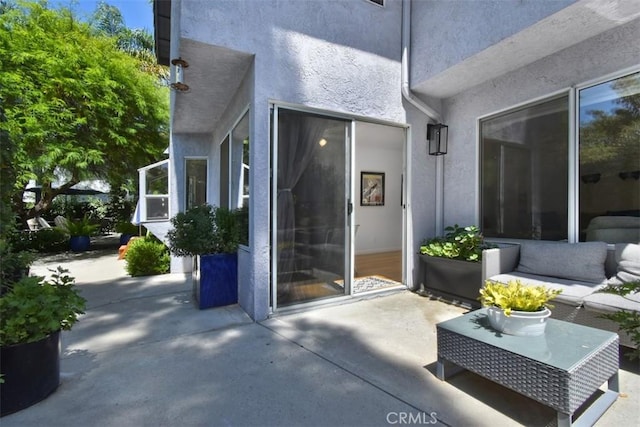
{"type": "Point", "coordinates": [628, 260]}
{"type": "Point", "coordinates": [583, 262]}
{"type": "Point", "coordinates": [606, 303]}
{"type": "Point", "coordinates": [573, 292]}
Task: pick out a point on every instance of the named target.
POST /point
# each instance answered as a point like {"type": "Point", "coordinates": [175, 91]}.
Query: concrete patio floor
{"type": "Point", "coordinates": [142, 355]}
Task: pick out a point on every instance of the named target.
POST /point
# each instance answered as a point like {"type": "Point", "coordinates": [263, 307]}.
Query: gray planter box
{"type": "Point", "coordinates": [451, 278]}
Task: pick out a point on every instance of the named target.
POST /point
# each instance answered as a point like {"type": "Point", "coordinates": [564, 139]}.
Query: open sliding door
{"type": "Point", "coordinates": [311, 207]}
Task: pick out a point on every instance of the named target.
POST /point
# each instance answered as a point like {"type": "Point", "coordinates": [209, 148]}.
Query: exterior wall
{"type": "Point", "coordinates": [445, 33]}
{"type": "Point", "coordinates": [610, 52]}
{"type": "Point", "coordinates": [181, 146]}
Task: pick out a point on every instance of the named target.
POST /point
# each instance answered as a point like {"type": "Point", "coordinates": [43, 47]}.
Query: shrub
{"type": "Point", "coordinates": [35, 308]}
{"type": "Point", "coordinates": [464, 243]}
{"type": "Point", "coordinates": [45, 240]}
{"type": "Point", "coordinates": [147, 257]}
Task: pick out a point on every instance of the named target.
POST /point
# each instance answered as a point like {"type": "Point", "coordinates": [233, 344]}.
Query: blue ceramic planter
{"type": "Point", "coordinates": [215, 280]}
{"type": "Point", "coordinates": [80, 243]}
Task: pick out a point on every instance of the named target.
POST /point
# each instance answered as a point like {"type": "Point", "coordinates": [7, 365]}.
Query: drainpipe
{"type": "Point", "coordinates": [427, 110]}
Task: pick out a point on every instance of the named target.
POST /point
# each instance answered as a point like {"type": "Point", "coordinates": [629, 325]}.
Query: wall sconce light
{"type": "Point", "coordinates": [178, 84]}
{"type": "Point", "coordinates": [437, 136]}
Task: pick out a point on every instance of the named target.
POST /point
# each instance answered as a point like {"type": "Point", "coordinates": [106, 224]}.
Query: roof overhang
{"type": "Point", "coordinates": [162, 30]}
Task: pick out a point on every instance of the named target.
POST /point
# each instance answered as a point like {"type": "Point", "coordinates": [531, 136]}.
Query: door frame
{"type": "Point", "coordinates": [407, 240]}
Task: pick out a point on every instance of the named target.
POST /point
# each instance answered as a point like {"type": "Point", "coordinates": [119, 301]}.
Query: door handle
{"type": "Point", "coordinates": [349, 207]}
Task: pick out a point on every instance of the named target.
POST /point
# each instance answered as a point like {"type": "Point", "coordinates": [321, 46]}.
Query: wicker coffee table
{"type": "Point", "coordinates": [560, 369]}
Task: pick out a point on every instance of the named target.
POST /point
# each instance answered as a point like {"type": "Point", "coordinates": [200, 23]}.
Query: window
{"type": "Point", "coordinates": [525, 172]}
{"type": "Point", "coordinates": [378, 2]}
{"type": "Point", "coordinates": [154, 185]}
{"type": "Point", "coordinates": [526, 166]}
{"type": "Point", "coordinates": [609, 153]}
{"type": "Point", "coordinates": [196, 182]}
{"type": "Point", "coordinates": [234, 172]}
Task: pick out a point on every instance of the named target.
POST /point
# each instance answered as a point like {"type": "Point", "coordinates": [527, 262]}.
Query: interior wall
{"type": "Point", "coordinates": [379, 148]}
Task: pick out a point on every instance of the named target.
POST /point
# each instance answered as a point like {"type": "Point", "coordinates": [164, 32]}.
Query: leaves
{"type": "Point", "coordinates": [465, 243]}
{"type": "Point", "coordinates": [516, 296]}
{"type": "Point", "coordinates": [74, 100]}
{"type": "Point", "coordinates": [35, 308]}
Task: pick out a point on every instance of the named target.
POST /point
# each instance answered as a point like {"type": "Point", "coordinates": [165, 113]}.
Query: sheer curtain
{"type": "Point", "coordinates": [298, 136]}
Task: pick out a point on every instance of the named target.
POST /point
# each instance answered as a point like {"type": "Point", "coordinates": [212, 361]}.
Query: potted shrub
{"type": "Point", "coordinates": [80, 232]}
{"type": "Point", "coordinates": [32, 314]}
{"type": "Point", "coordinates": [127, 230]}
{"type": "Point", "coordinates": [517, 309]}
{"type": "Point", "coordinates": [210, 235]}
{"type": "Point", "coordinates": [452, 263]}
{"type": "Point", "coordinates": [15, 265]}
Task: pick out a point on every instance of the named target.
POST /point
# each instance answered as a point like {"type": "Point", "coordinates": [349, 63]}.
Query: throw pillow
{"type": "Point", "coordinates": [628, 259]}
{"type": "Point", "coordinates": [573, 261]}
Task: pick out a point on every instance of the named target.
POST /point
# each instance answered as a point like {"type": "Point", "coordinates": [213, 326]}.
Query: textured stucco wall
{"type": "Point", "coordinates": [447, 32]}
{"type": "Point", "coordinates": [594, 58]}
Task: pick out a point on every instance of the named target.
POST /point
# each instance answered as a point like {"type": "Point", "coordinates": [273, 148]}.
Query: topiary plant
{"type": "Point", "coordinates": [147, 257]}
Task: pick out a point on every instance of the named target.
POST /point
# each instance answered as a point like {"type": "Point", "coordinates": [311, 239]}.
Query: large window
{"type": "Point", "coordinates": [609, 131]}
{"type": "Point", "coordinates": [234, 172]}
{"type": "Point", "coordinates": [527, 167]}
{"type": "Point", "coordinates": [196, 182]}
{"type": "Point", "coordinates": [524, 172]}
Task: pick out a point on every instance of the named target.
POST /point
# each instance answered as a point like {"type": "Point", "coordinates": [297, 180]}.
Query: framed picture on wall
{"type": "Point", "coordinates": [371, 188]}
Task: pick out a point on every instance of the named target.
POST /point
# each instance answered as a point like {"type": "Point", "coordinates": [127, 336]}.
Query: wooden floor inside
{"type": "Point", "coordinates": [386, 264]}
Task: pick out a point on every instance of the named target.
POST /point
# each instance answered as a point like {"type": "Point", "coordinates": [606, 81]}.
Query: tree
{"type": "Point", "coordinates": [75, 104]}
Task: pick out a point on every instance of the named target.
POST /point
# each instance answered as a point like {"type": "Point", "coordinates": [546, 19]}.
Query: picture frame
{"type": "Point", "coordinates": [372, 190]}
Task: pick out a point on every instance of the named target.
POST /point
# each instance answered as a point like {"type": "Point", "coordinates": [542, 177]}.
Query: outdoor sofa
{"type": "Point", "coordinates": [580, 270]}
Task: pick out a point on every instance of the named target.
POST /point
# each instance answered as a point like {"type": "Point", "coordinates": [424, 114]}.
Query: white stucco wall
{"type": "Point", "coordinates": [597, 57]}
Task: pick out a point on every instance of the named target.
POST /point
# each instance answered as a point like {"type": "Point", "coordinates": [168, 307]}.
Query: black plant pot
{"type": "Point", "coordinates": [31, 373]}
{"type": "Point", "coordinates": [215, 280]}
{"type": "Point", "coordinates": [453, 278]}
{"type": "Point", "coordinates": [80, 243]}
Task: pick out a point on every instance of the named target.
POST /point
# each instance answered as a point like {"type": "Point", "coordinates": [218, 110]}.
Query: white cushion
{"type": "Point", "coordinates": [628, 259]}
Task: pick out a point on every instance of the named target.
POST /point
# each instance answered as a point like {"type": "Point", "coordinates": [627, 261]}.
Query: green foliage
{"type": "Point", "coordinates": [126, 227]}
{"type": "Point", "coordinates": [146, 257]}
{"type": "Point", "coordinates": [516, 296]}
{"type": "Point", "coordinates": [80, 227]}
{"type": "Point", "coordinates": [35, 308]}
{"type": "Point", "coordinates": [73, 101]}
{"type": "Point", "coordinates": [14, 265]}
{"type": "Point", "coordinates": [465, 243]}
{"type": "Point", "coordinates": [44, 240]}
{"type": "Point", "coordinates": [203, 230]}
{"type": "Point", "coordinates": [628, 321]}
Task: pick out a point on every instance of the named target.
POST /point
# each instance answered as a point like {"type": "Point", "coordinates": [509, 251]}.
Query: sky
{"type": "Point", "coordinates": [136, 13]}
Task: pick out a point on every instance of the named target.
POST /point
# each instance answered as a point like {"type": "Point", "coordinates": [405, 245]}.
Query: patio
{"type": "Point", "coordinates": [143, 355]}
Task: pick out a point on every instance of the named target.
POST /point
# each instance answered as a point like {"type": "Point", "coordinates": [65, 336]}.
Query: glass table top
{"type": "Point", "coordinates": [563, 345]}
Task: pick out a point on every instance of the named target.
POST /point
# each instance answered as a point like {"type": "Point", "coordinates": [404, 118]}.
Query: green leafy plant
{"type": "Point", "coordinates": [14, 265]}
{"type": "Point", "coordinates": [204, 229]}
{"type": "Point", "coordinates": [35, 308]}
{"type": "Point", "coordinates": [464, 243]}
{"type": "Point", "coordinates": [146, 257]}
{"type": "Point", "coordinates": [81, 227]}
{"type": "Point", "coordinates": [45, 240]}
{"type": "Point", "coordinates": [516, 296]}
{"type": "Point", "coordinates": [126, 227]}
{"type": "Point", "coordinates": [628, 321]}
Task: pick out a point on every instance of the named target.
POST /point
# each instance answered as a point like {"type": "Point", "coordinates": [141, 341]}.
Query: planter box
{"type": "Point", "coordinates": [31, 373]}
{"type": "Point", "coordinates": [215, 280]}
{"type": "Point", "coordinates": [452, 278]}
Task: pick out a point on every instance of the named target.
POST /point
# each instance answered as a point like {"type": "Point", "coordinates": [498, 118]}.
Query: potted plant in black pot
{"type": "Point", "coordinates": [80, 232]}
{"type": "Point", "coordinates": [452, 264]}
{"type": "Point", "coordinates": [32, 313]}
{"type": "Point", "coordinates": [127, 230]}
{"type": "Point", "coordinates": [210, 235]}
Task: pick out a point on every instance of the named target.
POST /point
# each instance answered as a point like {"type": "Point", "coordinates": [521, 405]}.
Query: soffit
{"type": "Point", "coordinates": [213, 76]}
{"type": "Point", "coordinates": [572, 25]}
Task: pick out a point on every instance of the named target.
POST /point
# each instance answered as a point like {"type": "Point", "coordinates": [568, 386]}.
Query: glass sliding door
{"type": "Point", "coordinates": [312, 186]}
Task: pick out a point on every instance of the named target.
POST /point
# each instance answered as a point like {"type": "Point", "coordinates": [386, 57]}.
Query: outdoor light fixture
{"type": "Point", "coordinates": [178, 84]}
{"type": "Point", "coordinates": [437, 136]}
